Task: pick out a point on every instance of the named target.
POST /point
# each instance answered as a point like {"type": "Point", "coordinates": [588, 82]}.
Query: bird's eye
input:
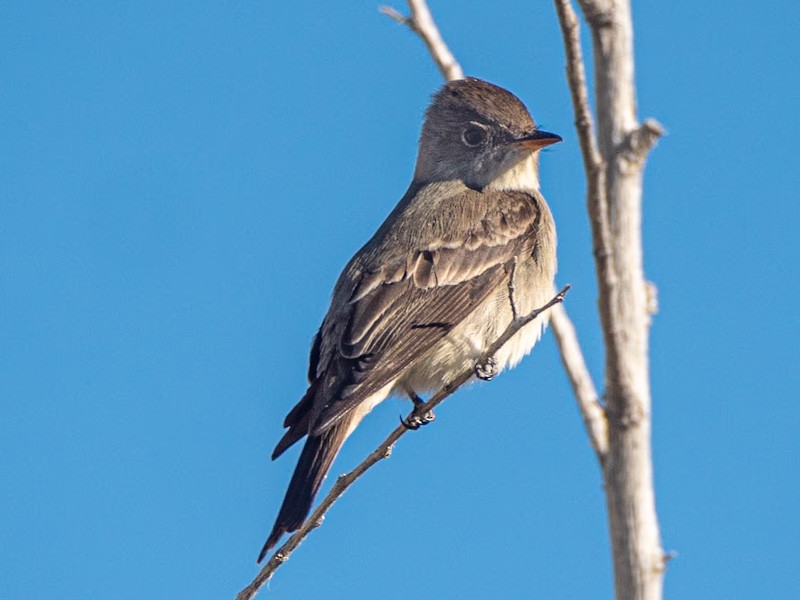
{"type": "Point", "coordinates": [474, 135]}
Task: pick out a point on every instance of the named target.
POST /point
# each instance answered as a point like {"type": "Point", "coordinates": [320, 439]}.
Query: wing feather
{"type": "Point", "coordinates": [390, 307]}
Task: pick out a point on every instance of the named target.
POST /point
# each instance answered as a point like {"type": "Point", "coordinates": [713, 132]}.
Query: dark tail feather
{"type": "Point", "coordinates": [315, 462]}
{"type": "Point", "coordinates": [297, 421]}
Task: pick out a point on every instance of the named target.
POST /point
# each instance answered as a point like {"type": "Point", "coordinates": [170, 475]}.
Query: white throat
{"type": "Point", "coordinates": [524, 177]}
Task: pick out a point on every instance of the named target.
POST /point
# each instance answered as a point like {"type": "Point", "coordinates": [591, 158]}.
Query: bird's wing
{"type": "Point", "coordinates": [391, 306]}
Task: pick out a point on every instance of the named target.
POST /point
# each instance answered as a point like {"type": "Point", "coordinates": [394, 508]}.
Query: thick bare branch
{"type": "Point", "coordinates": [421, 22]}
{"type": "Point", "coordinates": [594, 416]}
{"type": "Point", "coordinates": [384, 450]}
{"type": "Point", "coordinates": [615, 193]}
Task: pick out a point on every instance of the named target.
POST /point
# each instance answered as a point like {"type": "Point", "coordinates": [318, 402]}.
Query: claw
{"type": "Point", "coordinates": [417, 418]}
{"type": "Point", "coordinates": [488, 370]}
{"type": "Point", "coordinates": [412, 423]}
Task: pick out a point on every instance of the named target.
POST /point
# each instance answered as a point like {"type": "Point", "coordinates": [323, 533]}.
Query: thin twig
{"type": "Point", "coordinates": [421, 22]}
{"type": "Point", "coordinates": [512, 289]}
{"type": "Point", "coordinates": [593, 413]}
{"type": "Point", "coordinates": [596, 198]}
{"type": "Point", "coordinates": [576, 77]}
{"type": "Point", "coordinates": [384, 450]}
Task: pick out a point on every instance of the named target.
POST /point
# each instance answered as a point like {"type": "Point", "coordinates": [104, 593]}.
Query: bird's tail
{"type": "Point", "coordinates": [315, 461]}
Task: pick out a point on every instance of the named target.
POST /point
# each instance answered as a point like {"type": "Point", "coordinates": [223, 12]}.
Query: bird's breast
{"type": "Point", "coordinates": [465, 344]}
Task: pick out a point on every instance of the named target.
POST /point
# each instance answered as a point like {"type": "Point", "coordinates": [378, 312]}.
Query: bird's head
{"type": "Point", "coordinates": [480, 134]}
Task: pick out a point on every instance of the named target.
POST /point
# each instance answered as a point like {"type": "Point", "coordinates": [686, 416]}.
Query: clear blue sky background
{"type": "Point", "coordinates": [180, 184]}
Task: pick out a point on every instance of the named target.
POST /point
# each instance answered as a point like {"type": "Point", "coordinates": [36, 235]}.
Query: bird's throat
{"type": "Point", "coordinates": [523, 177]}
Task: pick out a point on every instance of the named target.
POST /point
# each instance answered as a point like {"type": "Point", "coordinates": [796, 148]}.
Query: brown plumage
{"type": "Point", "coordinates": [429, 292]}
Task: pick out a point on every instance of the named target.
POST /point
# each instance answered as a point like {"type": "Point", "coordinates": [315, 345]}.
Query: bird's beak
{"type": "Point", "coordinates": [537, 140]}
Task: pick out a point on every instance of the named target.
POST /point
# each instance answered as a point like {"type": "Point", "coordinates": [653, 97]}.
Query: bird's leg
{"type": "Point", "coordinates": [418, 416]}
{"type": "Point", "coordinates": [511, 290]}
{"type": "Point", "coordinates": [487, 369]}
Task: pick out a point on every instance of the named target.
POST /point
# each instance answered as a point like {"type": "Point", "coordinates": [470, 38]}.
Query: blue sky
{"type": "Point", "coordinates": [180, 185]}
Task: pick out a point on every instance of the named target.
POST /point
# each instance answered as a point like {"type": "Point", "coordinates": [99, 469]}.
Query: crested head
{"type": "Point", "coordinates": [483, 100]}
{"type": "Point", "coordinates": [482, 134]}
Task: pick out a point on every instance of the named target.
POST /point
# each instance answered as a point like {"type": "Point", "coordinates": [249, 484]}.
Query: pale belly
{"type": "Point", "coordinates": [465, 345]}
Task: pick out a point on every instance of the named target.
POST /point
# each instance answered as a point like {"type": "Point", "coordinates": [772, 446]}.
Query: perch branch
{"type": "Point", "coordinates": [384, 450]}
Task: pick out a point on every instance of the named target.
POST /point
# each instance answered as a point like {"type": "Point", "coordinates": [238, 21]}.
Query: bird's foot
{"type": "Point", "coordinates": [486, 370]}
{"type": "Point", "coordinates": [419, 416]}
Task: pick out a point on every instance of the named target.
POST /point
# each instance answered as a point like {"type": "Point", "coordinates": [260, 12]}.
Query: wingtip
{"type": "Point", "coordinates": [269, 544]}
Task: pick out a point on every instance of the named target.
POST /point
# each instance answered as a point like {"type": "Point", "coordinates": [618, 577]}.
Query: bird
{"type": "Point", "coordinates": [471, 245]}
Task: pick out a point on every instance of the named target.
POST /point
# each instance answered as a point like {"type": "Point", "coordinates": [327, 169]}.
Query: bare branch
{"type": "Point", "coordinates": [512, 289]}
{"type": "Point", "coordinates": [615, 206]}
{"type": "Point", "coordinates": [384, 450]}
{"type": "Point", "coordinates": [396, 15]}
{"type": "Point", "coordinates": [421, 22]}
{"type": "Point", "coordinates": [576, 77]}
{"type": "Point", "coordinates": [593, 413]}
{"type": "Point", "coordinates": [594, 167]}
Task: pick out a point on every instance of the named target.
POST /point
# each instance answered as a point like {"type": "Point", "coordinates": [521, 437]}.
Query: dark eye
{"type": "Point", "coordinates": [474, 135]}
